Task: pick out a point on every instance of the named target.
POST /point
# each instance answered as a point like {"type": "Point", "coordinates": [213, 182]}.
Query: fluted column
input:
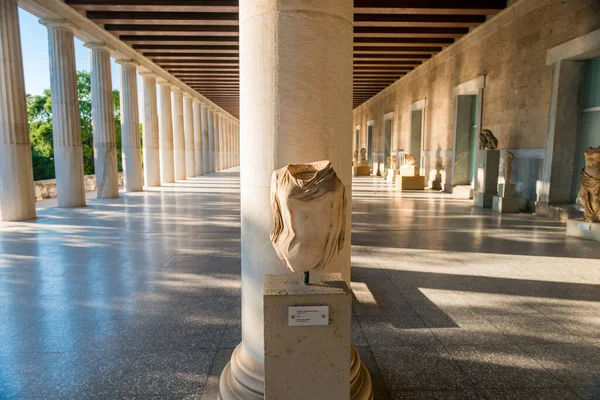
{"type": "Point", "coordinates": [217, 141]}
{"type": "Point", "coordinates": [205, 142]}
{"type": "Point", "coordinates": [198, 136]}
{"type": "Point", "coordinates": [178, 135]}
{"type": "Point", "coordinates": [66, 122]}
{"type": "Point", "coordinates": [17, 199]}
{"type": "Point", "coordinates": [228, 142]}
{"type": "Point", "coordinates": [230, 122]}
{"type": "Point", "coordinates": [150, 130]}
{"type": "Point", "coordinates": [237, 144]}
{"type": "Point", "coordinates": [298, 42]}
{"type": "Point", "coordinates": [165, 132]}
{"type": "Point", "coordinates": [210, 118]}
{"type": "Point", "coordinates": [103, 122]}
{"type": "Point", "coordinates": [188, 136]}
{"type": "Point", "coordinates": [221, 124]}
{"type": "Point", "coordinates": [130, 127]}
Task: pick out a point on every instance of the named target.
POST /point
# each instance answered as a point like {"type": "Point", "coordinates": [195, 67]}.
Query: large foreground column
{"type": "Point", "coordinates": [178, 136]}
{"type": "Point", "coordinates": [103, 122]}
{"type": "Point", "coordinates": [150, 131]}
{"type": "Point", "coordinates": [204, 135]}
{"type": "Point", "coordinates": [197, 109]}
{"type": "Point", "coordinates": [298, 111]}
{"type": "Point", "coordinates": [210, 117]}
{"type": "Point", "coordinates": [188, 134]}
{"type": "Point", "coordinates": [165, 132]}
{"type": "Point", "coordinates": [66, 125]}
{"type": "Point", "coordinates": [17, 199]}
{"type": "Point", "coordinates": [130, 127]}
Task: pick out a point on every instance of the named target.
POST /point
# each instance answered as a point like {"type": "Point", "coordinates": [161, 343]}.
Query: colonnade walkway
{"type": "Point", "coordinates": [138, 298]}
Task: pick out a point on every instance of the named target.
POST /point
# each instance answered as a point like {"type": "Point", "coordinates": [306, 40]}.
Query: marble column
{"type": "Point", "coordinates": [103, 122]}
{"type": "Point", "coordinates": [188, 136]}
{"type": "Point", "coordinates": [204, 114]}
{"type": "Point", "coordinates": [221, 142]}
{"type": "Point", "coordinates": [17, 198]}
{"type": "Point", "coordinates": [178, 135]}
{"type": "Point", "coordinates": [165, 133]}
{"type": "Point", "coordinates": [150, 131]}
{"type": "Point", "coordinates": [229, 144]}
{"type": "Point", "coordinates": [210, 116]}
{"type": "Point", "coordinates": [237, 144]}
{"type": "Point", "coordinates": [130, 127]}
{"type": "Point", "coordinates": [312, 49]}
{"type": "Point", "coordinates": [216, 140]}
{"type": "Point", "coordinates": [66, 125]}
{"type": "Point", "coordinates": [198, 136]}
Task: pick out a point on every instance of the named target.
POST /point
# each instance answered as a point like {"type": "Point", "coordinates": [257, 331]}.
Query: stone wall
{"type": "Point", "coordinates": [46, 189]}
{"type": "Point", "coordinates": [510, 51]}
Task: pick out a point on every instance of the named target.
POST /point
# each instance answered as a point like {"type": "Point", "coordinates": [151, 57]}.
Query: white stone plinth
{"type": "Point", "coordinates": [577, 227]}
{"type": "Point", "coordinates": [462, 192]}
{"type": "Point", "coordinates": [409, 170]}
{"type": "Point", "coordinates": [307, 362]}
{"type": "Point", "coordinates": [505, 205]}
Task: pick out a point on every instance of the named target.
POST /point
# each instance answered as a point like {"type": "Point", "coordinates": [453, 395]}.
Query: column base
{"type": "Point", "coordinates": [243, 378]}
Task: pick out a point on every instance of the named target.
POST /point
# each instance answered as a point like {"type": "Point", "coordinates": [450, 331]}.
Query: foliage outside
{"type": "Point", "coordinates": [39, 111]}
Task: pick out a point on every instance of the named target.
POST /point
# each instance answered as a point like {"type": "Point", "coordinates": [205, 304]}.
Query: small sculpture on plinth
{"type": "Point", "coordinates": [363, 157]}
{"type": "Point", "coordinates": [509, 157]}
{"type": "Point", "coordinates": [589, 193]}
{"type": "Point", "coordinates": [410, 160]}
{"type": "Point", "coordinates": [394, 164]}
{"type": "Point", "coordinates": [487, 140]}
{"type": "Point", "coordinates": [355, 159]}
{"type": "Point", "coordinates": [309, 209]}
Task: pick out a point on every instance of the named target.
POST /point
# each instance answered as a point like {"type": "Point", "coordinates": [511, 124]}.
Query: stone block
{"type": "Point", "coordinates": [362, 171]}
{"type": "Point", "coordinates": [391, 174]}
{"type": "Point", "coordinates": [409, 170]}
{"type": "Point", "coordinates": [505, 205]}
{"type": "Point", "coordinates": [488, 164]}
{"type": "Point", "coordinates": [308, 361]}
{"type": "Point", "coordinates": [410, 182]}
{"type": "Point", "coordinates": [483, 200]}
{"type": "Point", "coordinates": [577, 227]}
{"type": "Point", "coordinates": [507, 190]}
{"type": "Point", "coordinates": [462, 192]}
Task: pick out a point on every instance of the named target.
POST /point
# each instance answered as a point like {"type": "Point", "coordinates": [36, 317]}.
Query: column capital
{"type": "Point", "coordinates": [127, 62]}
{"type": "Point", "coordinates": [198, 101]}
{"type": "Point", "coordinates": [186, 95]}
{"type": "Point", "coordinates": [57, 24]}
{"type": "Point", "coordinates": [98, 46]}
{"type": "Point", "coordinates": [176, 89]}
{"type": "Point", "coordinates": [162, 81]}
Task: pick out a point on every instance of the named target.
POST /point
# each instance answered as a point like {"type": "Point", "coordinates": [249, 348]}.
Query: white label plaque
{"type": "Point", "coordinates": [584, 227]}
{"type": "Point", "coordinates": [308, 315]}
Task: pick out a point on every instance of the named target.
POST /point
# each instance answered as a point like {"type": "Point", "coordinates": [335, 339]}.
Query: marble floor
{"type": "Point", "coordinates": [138, 298]}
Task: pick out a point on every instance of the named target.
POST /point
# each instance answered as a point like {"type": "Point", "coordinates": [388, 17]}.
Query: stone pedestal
{"type": "Point", "coordinates": [506, 202]}
{"type": "Point", "coordinates": [462, 192]}
{"type": "Point", "coordinates": [362, 171]}
{"type": "Point", "coordinates": [307, 361]}
{"type": "Point", "coordinates": [409, 170]}
{"type": "Point", "coordinates": [577, 227]}
{"type": "Point", "coordinates": [390, 174]}
{"type": "Point", "coordinates": [488, 164]}
{"type": "Point", "coordinates": [410, 182]}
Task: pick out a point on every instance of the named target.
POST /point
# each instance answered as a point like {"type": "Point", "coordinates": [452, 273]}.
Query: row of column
{"type": "Point", "coordinates": [182, 137]}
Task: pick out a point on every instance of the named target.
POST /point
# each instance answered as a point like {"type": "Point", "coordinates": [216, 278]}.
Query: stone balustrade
{"type": "Point", "coordinates": [46, 189]}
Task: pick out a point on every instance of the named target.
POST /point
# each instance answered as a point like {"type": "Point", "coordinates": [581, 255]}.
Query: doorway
{"type": "Point", "coordinates": [465, 140]}
{"type": "Point", "coordinates": [357, 138]}
{"type": "Point", "coordinates": [387, 144]}
{"type": "Point", "coordinates": [589, 122]}
{"type": "Point", "coordinates": [370, 144]}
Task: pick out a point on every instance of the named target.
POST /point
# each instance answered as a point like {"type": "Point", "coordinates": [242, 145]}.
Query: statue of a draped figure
{"type": "Point", "coordinates": [589, 193]}
{"type": "Point", "coordinates": [309, 209]}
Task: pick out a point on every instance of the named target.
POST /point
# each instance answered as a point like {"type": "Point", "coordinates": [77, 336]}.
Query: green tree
{"type": "Point", "coordinates": [39, 110]}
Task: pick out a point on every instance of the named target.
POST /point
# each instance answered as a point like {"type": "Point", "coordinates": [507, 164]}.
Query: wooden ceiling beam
{"type": "Point", "coordinates": [173, 30]}
{"type": "Point", "coordinates": [202, 6]}
{"type": "Point", "coordinates": [162, 18]}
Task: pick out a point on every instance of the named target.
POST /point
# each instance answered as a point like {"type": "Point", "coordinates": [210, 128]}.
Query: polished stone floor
{"type": "Point", "coordinates": [138, 298]}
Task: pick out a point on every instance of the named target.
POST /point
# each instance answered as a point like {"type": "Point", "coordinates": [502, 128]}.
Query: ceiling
{"type": "Point", "coordinates": [197, 40]}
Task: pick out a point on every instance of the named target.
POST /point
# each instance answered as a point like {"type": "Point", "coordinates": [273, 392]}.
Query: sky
{"type": "Point", "coordinates": [34, 42]}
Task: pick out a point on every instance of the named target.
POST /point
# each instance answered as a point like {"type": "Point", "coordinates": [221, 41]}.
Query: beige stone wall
{"type": "Point", "coordinates": [510, 49]}
{"type": "Point", "coordinates": [46, 189]}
